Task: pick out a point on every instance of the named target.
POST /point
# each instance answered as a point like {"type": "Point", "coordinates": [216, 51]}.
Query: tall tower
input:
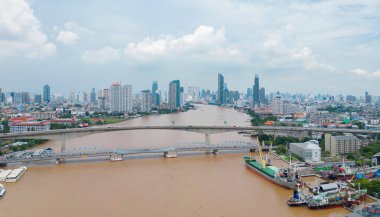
{"type": "Point", "coordinates": [93, 96]}
{"type": "Point", "coordinates": [46, 93]}
{"type": "Point", "coordinates": [256, 91]}
{"type": "Point", "coordinates": [220, 97]}
{"type": "Point", "coordinates": [174, 94]}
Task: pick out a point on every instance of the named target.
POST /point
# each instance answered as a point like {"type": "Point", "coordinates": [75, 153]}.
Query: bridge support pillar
{"type": "Point", "coordinates": [170, 154]}
{"type": "Point", "coordinates": [207, 139]}
{"type": "Point", "coordinates": [63, 143]}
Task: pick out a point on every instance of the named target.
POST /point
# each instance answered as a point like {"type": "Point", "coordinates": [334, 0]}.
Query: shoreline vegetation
{"type": "Point", "coordinates": [13, 145]}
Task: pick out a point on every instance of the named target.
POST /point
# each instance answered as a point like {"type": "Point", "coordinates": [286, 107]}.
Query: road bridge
{"type": "Point", "coordinates": [64, 134]}
{"type": "Point", "coordinates": [92, 152]}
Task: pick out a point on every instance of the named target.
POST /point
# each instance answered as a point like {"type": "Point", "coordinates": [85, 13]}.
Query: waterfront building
{"type": "Point", "coordinates": [146, 101]}
{"type": "Point", "coordinates": [256, 91]}
{"type": "Point", "coordinates": [16, 127]}
{"type": "Point", "coordinates": [121, 98]}
{"type": "Point", "coordinates": [341, 144]}
{"type": "Point", "coordinates": [309, 151]}
{"type": "Point", "coordinates": [46, 93]}
{"type": "Point", "coordinates": [174, 95]}
{"type": "Point", "coordinates": [181, 97]}
{"type": "Point", "coordinates": [220, 96]}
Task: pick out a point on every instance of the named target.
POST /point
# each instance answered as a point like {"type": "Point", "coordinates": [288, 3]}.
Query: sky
{"type": "Point", "coordinates": [299, 46]}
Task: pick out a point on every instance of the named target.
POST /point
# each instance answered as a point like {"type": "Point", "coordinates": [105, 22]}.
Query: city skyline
{"type": "Point", "coordinates": [297, 50]}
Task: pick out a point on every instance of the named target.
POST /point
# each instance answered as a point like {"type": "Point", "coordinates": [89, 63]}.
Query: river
{"type": "Point", "coordinates": [201, 185]}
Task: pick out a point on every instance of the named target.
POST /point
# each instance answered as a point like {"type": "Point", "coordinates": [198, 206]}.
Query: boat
{"type": "Point", "coordinates": [116, 157]}
{"type": "Point", "coordinates": [286, 178]}
{"type": "Point", "coordinates": [298, 199]}
{"type": "Point", "coordinates": [336, 199]}
{"type": "Point", "coordinates": [2, 191]}
{"type": "Point", "coordinates": [369, 210]}
{"type": "Point", "coordinates": [16, 174]}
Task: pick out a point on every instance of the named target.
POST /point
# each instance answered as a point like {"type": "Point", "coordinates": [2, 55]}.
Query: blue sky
{"type": "Point", "coordinates": [295, 46]}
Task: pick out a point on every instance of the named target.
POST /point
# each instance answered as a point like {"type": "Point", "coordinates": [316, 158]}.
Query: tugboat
{"type": "Point", "coordinates": [2, 191]}
{"type": "Point", "coordinates": [284, 177]}
{"type": "Point", "coordinates": [298, 199]}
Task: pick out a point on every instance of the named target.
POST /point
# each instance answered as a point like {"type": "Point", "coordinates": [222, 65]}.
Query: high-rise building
{"type": "Point", "coordinates": [101, 103]}
{"type": "Point", "coordinates": [249, 92]}
{"type": "Point", "coordinates": [154, 87]}
{"type": "Point", "coordinates": [341, 144]}
{"type": "Point", "coordinates": [155, 95]}
{"type": "Point", "coordinates": [85, 97]}
{"type": "Point", "coordinates": [38, 99]}
{"type": "Point", "coordinates": [277, 105]}
{"type": "Point", "coordinates": [121, 98]}
{"type": "Point", "coordinates": [146, 101]}
{"type": "Point", "coordinates": [220, 98]}
{"type": "Point", "coordinates": [93, 96]}
{"type": "Point", "coordinates": [72, 96]}
{"type": "Point", "coordinates": [174, 95]}
{"type": "Point", "coordinates": [256, 91]}
{"type": "Point", "coordinates": [262, 95]}
{"type": "Point", "coordinates": [368, 98]}
{"type": "Point", "coordinates": [107, 95]}
{"type": "Point", "coordinates": [46, 93]}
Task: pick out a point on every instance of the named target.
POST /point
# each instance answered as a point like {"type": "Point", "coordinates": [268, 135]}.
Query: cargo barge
{"type": "Point", "coordinates": [286, 178]}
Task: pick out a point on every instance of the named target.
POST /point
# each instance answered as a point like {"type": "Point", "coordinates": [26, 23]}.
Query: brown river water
{"type": "Point", "coordinates": [189, 186]}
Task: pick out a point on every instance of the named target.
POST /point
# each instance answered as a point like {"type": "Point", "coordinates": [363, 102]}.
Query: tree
{"type": "Point", "coordinates": [281, 149]}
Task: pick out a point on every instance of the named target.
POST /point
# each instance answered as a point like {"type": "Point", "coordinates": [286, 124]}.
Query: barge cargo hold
{"type": "Point", "coordinates": [16, 174]}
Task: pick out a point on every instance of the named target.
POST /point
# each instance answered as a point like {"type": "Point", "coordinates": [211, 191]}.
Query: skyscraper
{"type": "Point", "coordinates": [46, 93]}
{"type": "Point", "coordinates": [174, 94]}
{"type": "Point", "coordinates": [220, 97]}
{"type": "Point", "coordinates": [121, 98]}
{"type": "Point", "coordinates": [93, 96]}
{"type": "Point", "coordinates": [155, 94]}
{"type": "Point", "coordinates": [146, 101]}
{"type": "Point", "coordinates": [262, 95]}
{"type": "Point", "coordinates": [256, 91]}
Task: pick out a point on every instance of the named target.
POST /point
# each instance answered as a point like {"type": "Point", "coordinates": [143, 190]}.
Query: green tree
{"type": "Point", "coordinates": [281, 149]}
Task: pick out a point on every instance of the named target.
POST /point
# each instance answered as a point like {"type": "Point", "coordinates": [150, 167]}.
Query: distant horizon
{"type": "Point", "coordinates": [295, 46]}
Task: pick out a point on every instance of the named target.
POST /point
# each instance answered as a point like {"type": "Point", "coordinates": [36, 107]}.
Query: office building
{"type": "Point", "coordinates": [16, 127]}
{"type": "Point", "coordinates": [337, 145]}
{"type": "Point", "coordinates": [93, 96]}
{"type": "Point", "coordinates": [37, 99]}
{"type": "Point", "coordinates": [220, 97]}
{"type": "Point", "coordinates": [256, 91]}
{"type": "Point", "coordinates": [46, 93]}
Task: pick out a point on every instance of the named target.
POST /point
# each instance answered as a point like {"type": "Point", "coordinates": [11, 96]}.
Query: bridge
{"type": "Point", "coordinates": [92, 152]}
{"type": "Point", "coordinates": [64, 134]}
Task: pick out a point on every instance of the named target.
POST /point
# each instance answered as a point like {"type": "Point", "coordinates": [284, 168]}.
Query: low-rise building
{"type": "Point", "coordinates": [376, 159]}
{"type": "Point", "coordinates": [29, 126]}
{"type": "Point", "coordinates": [309, 151]}
{"type": "Point", "coordinates": [43, 115]}
{"type": "Point", "coordinates": [341, 144]}
{"type": "Point", "coordinates": [64, 121]}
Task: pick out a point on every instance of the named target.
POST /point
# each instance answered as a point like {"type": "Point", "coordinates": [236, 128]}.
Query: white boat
{"type": "Point", "coordinates": [2, 191]}
{"type": "Point", "coordinates": [16, 174]}
{"type": "Point", "coordinates": [116, 157]}
{"type": "Point", "coordinates": [4, 174]}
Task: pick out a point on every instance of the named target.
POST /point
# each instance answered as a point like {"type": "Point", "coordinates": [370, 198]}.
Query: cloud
{"type": "Point", "coordinates": [364, 73]}
{"type": "Point", "coordinates": [205, 40]}
{"type": "Point", "coordinates": [67, 37]}
{"type": "Point", "coordinates": [306, 55]}
{"type": "Point", "coordinates": [20, 31]}
{"type": "Point", "coordinates": [101, 56]}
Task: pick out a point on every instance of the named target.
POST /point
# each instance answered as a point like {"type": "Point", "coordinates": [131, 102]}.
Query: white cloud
{"type": "Point", "coordinates": [67, 37]}
{"type": "Point", "coordinates": [364, 73]}
{"type": "Point", "coordinates": [20, 31]}
{"type": "Point", "coordinates": [204, 40]}
{"type": "Point", "coordinates": [101, 56]}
